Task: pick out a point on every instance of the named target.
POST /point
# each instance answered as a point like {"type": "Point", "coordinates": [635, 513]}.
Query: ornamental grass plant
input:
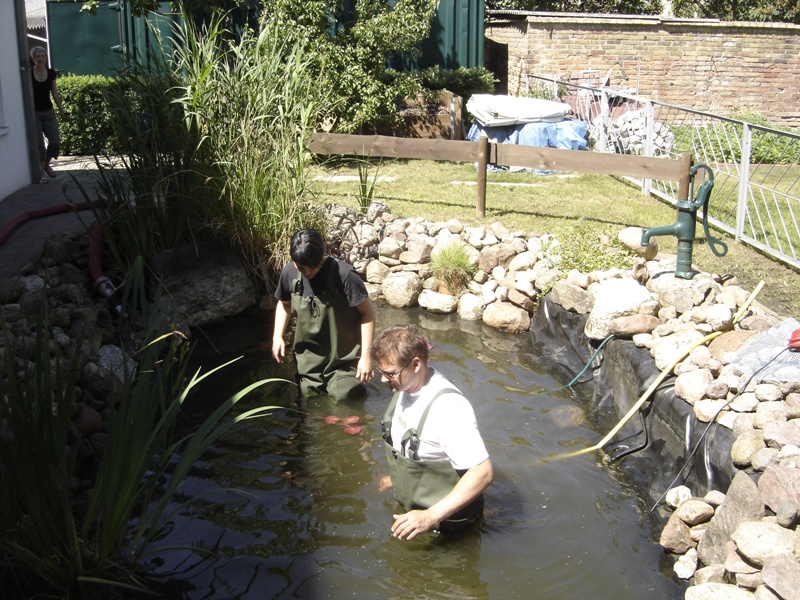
{"type": "Point", "coordinates": [215, 139]}
{"type": "Point", "coordinates": [254, 103]}
{"type": "Point", "coordinates": [453, 266]}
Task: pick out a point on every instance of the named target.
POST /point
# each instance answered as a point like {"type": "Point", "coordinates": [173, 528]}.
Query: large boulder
{"type": "Point", "coordinates": [402, 289]}
{"type": "Point", "coordinates": [203, 283]}
{"type": "Point", "coordinates": [743, 502]}
{"type": "Point", "coordinates": [498, 255]}
{"type": "Point", "coordinates": [470, 307]}
{"type": "Point", "coordinates": [507, 317]}
{"type": "Point", "coordinates": [437, 303]}
{"type": "Point", "coordinates": [615, 298]}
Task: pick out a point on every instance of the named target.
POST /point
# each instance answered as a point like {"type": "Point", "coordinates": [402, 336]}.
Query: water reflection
{"type": "Point", "coordinates": [291, 506]}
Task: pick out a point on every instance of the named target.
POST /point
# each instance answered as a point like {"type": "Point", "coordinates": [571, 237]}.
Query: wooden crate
{"type": "Point", "coordinates": [441, 126]}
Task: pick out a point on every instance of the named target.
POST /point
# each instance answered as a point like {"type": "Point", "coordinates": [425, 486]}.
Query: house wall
{"type": "Point", "coordinates": [14, 162]}
{"type": "Point", "coordinates": [705, 65]}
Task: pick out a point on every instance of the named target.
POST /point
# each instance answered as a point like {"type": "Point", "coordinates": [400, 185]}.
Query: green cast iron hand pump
{"type": "Point", "coordinates": [684, 227]}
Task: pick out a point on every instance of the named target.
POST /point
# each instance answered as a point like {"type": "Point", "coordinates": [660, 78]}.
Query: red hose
{"type": "Point", "coordinates": [101, 282]}
{"type": "Point", "coordinates": [95, 247]}
{"type": "Point", "coordinates": [44, 212]}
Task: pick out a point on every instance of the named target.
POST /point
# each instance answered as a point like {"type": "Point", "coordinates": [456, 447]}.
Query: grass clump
{"type": "Point", "coordinates": [453, 266]}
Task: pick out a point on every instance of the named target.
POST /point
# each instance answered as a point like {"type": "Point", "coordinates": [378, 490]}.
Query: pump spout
{"type": "Point", "coordinates": [683, 229]}
{"type": "Point", "coordinates": [657, 231]}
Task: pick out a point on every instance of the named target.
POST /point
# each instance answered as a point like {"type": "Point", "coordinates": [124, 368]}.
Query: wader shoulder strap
{"type": "Point", "coordinates": [334, 282]}
{"type": "Point", "coordinates": [412, 436]}
{"type": "Point", "coordinates": [297, 284]}
{"type": "Point", "coordinates": [386, 423]}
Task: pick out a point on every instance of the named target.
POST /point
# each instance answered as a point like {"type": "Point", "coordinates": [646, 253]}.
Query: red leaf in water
{"type": "Point", "coordinates": [331, 419]}
{"type": "Point", "coordinates": [351, 420]}
{"type": "Point", "coordinates": [352, 429]}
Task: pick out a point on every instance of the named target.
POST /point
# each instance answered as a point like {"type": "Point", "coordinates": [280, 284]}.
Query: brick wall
{"type": "Point", "coordinates": [700, 64]}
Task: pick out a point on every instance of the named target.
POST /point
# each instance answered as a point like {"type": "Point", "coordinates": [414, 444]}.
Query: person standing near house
{"type": "Point", "coordinates": [438, 463]}
{"type": "Point", "coordinates": [335, 320]}
{"type": "Point", "coordinates": [45, 91]}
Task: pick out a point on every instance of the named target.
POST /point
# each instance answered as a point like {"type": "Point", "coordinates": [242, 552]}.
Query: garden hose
{"type": "Point", "coordinates": [664, 373]}
{"type": "Point", "coordinates": [582, 371]}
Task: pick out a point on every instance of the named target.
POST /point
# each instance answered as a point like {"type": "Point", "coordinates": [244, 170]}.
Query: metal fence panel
{"type": "Point", "coordinates": [83, 44]}
{"type": "Point", "coordinates": [756, 195]}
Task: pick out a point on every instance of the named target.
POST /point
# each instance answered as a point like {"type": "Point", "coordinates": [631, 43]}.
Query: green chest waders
{"type": "Point", "coordinates": [421, 484]}
{"type": "Point", "coordinates": [327, 339]}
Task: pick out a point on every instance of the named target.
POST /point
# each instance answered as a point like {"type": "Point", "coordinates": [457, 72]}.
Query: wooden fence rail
{"type": "Point", "coordinates": [484, 153]}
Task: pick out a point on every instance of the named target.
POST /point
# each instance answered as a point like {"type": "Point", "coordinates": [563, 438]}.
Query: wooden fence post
{"type": "Point", "coordinates": [483, 161]}
{"type": "Point", "coordinates": [685, 179]}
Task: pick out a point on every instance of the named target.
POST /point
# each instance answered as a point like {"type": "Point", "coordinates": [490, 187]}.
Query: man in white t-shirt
{"type": "Point", "coordinates": [438, 463]}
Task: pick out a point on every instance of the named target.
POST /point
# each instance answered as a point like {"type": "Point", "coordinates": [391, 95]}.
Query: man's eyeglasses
{"type": "Point", "coordinates": [392, 374]}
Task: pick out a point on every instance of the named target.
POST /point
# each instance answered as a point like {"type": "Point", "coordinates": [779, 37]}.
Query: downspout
{"type": "Point", "coordinates": [27, 89]}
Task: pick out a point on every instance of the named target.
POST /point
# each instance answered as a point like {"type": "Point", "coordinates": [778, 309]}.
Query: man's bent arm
{"type": "Point", "coordinates": [469, 488]}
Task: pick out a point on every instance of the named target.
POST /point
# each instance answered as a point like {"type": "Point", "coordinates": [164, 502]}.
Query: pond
{"type": "Point", "coordinates": [289, 506]}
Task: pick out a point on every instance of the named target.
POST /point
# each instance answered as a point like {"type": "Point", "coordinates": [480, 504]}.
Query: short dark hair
{"type": "Point", "coordinates": [400, 344]}
{"type": "Point", "coordinates": [307, 248]}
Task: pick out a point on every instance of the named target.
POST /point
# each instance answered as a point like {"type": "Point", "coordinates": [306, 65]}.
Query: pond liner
{"type": "Point", "coordinates": [620, 375]}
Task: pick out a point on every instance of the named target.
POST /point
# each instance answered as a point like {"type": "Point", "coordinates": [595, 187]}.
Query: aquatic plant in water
{"type": "Point", "coordinates": [52, 541]}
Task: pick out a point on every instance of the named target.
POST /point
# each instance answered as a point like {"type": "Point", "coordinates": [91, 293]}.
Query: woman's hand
{"type": "Point", "coordinates": [364, 370]}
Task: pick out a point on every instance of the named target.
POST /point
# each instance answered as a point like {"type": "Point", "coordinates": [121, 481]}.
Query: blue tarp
{"type": "Point", "coordinates": [567, 135]}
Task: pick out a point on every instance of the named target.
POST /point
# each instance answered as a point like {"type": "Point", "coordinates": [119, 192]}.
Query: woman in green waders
{"type": "Point", "coordinates": [335, 320]}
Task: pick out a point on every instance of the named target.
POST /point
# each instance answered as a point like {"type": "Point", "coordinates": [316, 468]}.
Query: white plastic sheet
{"type": "Point", "coordinates": [494, 111]}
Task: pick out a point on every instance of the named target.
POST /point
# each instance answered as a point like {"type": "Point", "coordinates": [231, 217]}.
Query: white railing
{"type": "Point", "coordinates": [756, 195]}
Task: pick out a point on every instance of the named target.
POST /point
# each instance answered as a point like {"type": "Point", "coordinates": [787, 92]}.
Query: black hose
{"type": "Point", "coordinates": [638, 448]}
{"type": "Point", "coordinates": [712, 422]}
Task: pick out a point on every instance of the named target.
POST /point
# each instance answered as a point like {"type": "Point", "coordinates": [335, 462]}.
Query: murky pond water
{"type": "Point", "coordinates": [307, 519]}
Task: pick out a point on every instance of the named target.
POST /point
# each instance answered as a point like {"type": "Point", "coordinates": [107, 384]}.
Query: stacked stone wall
{"type": "Point", "coordinates": [709, 66]}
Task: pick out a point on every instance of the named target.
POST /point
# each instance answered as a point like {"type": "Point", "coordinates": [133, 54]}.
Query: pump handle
{"type": "Point", "coordinates": [701, 201]}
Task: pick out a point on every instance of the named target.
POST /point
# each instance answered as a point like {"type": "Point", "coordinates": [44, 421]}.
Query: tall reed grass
{"type": "Point", "coordinates": [217, 146]}
{"type": "Point", "coordinates": [255, 101]}
{"type": "Point", "coordinates": [155, 186]}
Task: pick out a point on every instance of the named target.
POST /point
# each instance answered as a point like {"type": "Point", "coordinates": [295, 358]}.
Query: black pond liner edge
{"type": "Point", "coordinates": [676, 448]}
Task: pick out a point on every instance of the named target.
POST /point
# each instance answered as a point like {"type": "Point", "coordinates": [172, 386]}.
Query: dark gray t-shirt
{"type": "Point", "coordinates": [334, 271]}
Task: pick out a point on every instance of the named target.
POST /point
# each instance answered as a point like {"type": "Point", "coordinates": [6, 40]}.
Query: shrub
{"type": "Point", "coordinates": [88, 128]}
{"type": "Point", "coordinates": [463, 81]}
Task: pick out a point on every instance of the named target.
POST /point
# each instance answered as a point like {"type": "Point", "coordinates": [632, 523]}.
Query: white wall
{"type": "Point", "coordinates": [14, 162]}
